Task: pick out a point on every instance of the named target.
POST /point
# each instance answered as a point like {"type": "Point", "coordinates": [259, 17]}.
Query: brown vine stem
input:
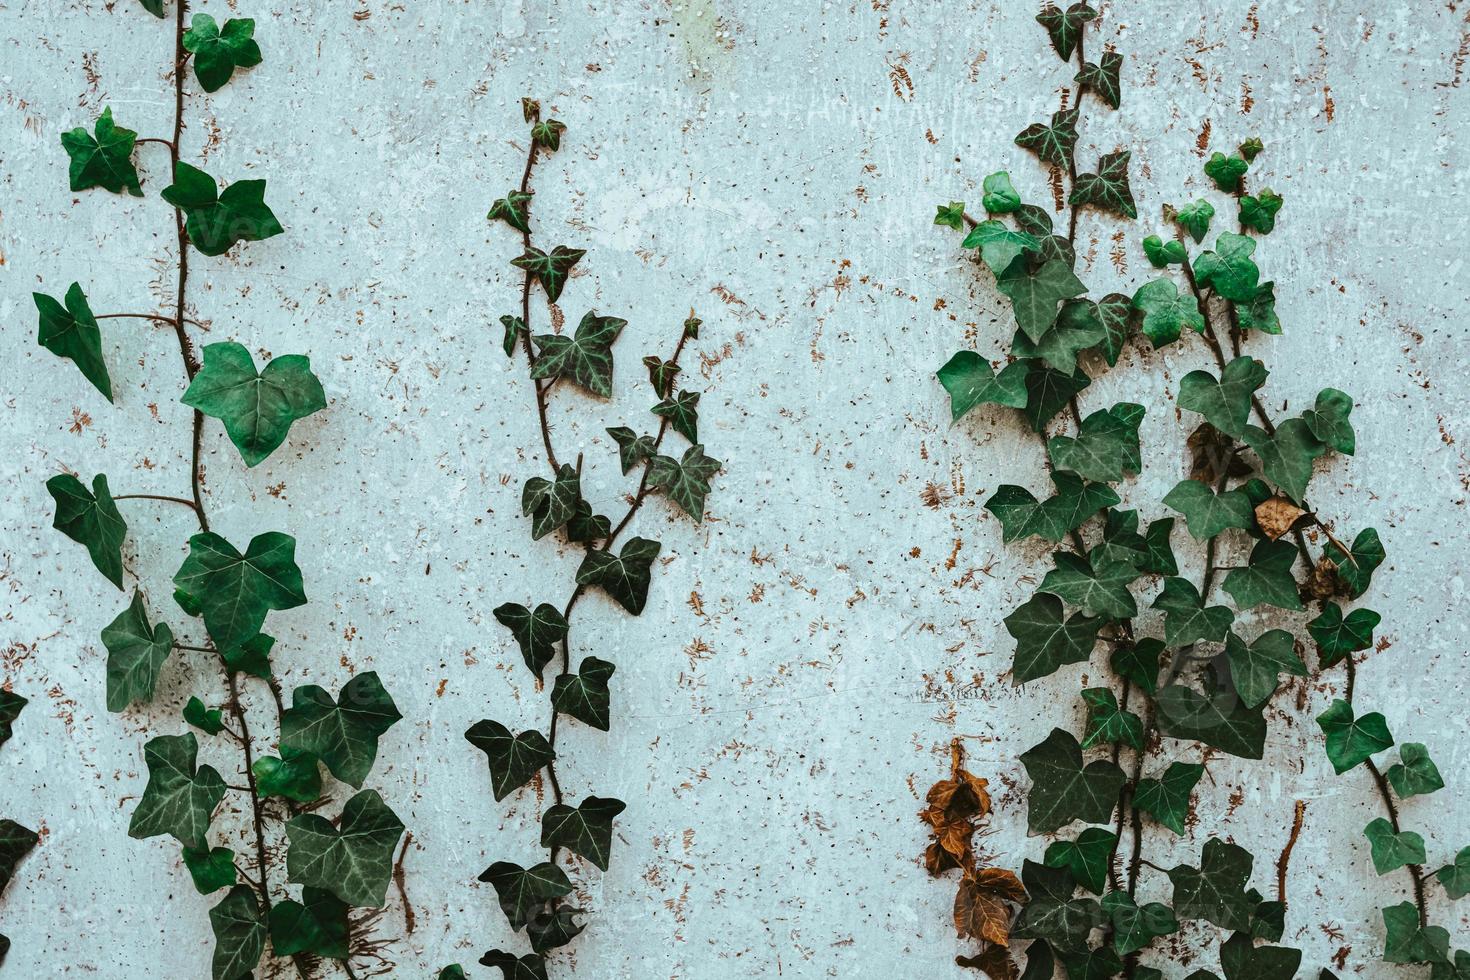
{"type": "Point", "coordinates": [1416, 872]}
{"type": "Point", "coordinates": [1283, 863]}
{"type": "Point", "coordinates": [526, 283]}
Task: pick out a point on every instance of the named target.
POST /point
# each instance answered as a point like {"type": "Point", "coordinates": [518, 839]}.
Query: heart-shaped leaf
{"type": "Point", "coordinates": [257, 408]}
{"type": "Point", "coordinates": [353, 860]}
{"type": "Point", "coordinates": [514, 759]}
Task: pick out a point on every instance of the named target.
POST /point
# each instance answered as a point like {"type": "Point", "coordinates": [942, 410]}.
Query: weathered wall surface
{"type": "Point", "coordinates": [808, 653]}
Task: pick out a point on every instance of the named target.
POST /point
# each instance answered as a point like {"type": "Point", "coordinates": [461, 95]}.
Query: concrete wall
{"type": "Point", "coordinates": [807, 653]}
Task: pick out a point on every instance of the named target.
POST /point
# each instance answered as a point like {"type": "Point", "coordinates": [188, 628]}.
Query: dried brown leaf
{"type": "Point", "coordinates": [995, 962]}
{"type": "Point", "coordinates": [1277, 515]}
{"type": "Point", "coordinates": [981, 914]}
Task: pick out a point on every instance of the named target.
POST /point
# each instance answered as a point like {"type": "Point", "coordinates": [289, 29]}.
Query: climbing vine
{"type": "Point", "coordinates": [536, 897]}
{"type": "Point", "coordinates": [1190, 678]}
{"type": "Point", "coordinates": [342, 866]}
{"type": "Point", "coordinates": [16, 841]}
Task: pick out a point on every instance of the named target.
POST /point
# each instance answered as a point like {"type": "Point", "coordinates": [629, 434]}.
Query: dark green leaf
{"type": "Point", "coordinates": [215, 221]}
{"type": "Point", "coordinates": [90, 519]}
{"type": "Point", "coordinates": [1134, 927]}
{"type": "Point", "coordinates": [1355, 567]}
{"type": "Point", "coordinates": [661, 374]}
{"type": "Point", "coordinates": [1161, 253]}
{"type": "Point", "coordinates": [1259, 211]}
{"type": "Point", "coordinates": [219, 51]}
{"type": "Point", "coordinates": [1053, 144]}
{"type": "Point", "coordinates": [555, 926]}
{"type": "Point", "coordinates": [1108, 723]}
{"type": "Point", "coordinates": [1267, 579]}
{"type": "Point", "coordinates": [632, 448]}
{"type": "Point", "coordinates": [1226, 171]}
{"type": "Point", "coordinates": [1035, 296]}
{"type": "Point", "coordinates": [1166, 797]}
{"type": "Point", "coordinates": [1052, 914]}
{"type": "Point", "coordinates": [548, 134]}
{"type": "Point", "coordinates": [970, 381]}
{"type": "Point", "coordinates": [353, 859]}
{"type": "Point", "coordinates": [210, 721]}
{"type": "Point", "coordinates": [524, 891]}
{"type": "Point", "coordinates": [1392, 850]}
{"type": "Point", "coordinates": [239, 926]}
{"type": "Point", "coordinates": [551, 503]}
{"type": "Point", "coordinates": [1087, 858]}
{"type": "Point", "coordinates": [1218, 719]}
{"type": "Point", "coordinates": [154, 7]}
{"type": "Point", "coordinates": [1048, 392]}
{"type": "Point", "coordinates": [1195, 219]}
{"type": "Point", "coordinates": [1410, 942]}
{"type": "Point", "coordinates": [294, 776]}
{"type": "Point", "coordinates": [1254, 669]}
{"type": "Point", "coordinates": [1063, 790]}
{"type": "Point", "coordinates": [452, 972]}
{"type": "Point", "coordinates": [585, 829]}
{"type": "Point", "coordinates": [682, 411]}
{"type": "Point", "coordinates": [1286, 457]}
{"type": "Point", "coordinates": [1187, 618]}
{"type": "Point", "coordinates": [1116, 313]}
{"type": "Point", "coordinates": [1352, 741]}
{"type": "Point", "coordinates": [10, 707]}
{"type": "Point", "coordinates": [15, 843]}
{"type": "Point", "coordinates": [1455, 877]}
{"type": "Point", "coordinates": [1103, 79]}
{"type": "Point", "coordinates": [1226, 403]}
{"type": "Point", "coordinates": [625, 577]}
{"type": "Point", "coordinates": [1106, 446]}
{"type": "Point", "coordinates": [1078, 327]}
{"type": "Point", "coordinates": [1337, 636]}
{"type": "Point", "coordinates": [233, 591]}
{"type": "Point", "coordinates": [1207, 513]}
{"type": "Point", "coordinates": [513, 759]}
{"type": "Point", "coordinates": [250, 657]}
{"type": "Point", "coordinates": [211, 869]}
{"type": "Point", "coordinates": [1416, 774]}
{"type": "Point", "coordinates": [1033, 220]}
{"type": "Point", "coordinates": [1229, 269]}
{"type": "Point", "coordinates": [1065, 27]}
{"type": "Point", "coordinates": [1046, 640]}
{"type": "Point", "coordinates": [103, 160]}
{"type": "Point", "coordinates": [585, 357]}
{"type": "Point", "coordinates": [1097, 591]}
{"type": "Point", "coordinates": [514, 209]}
{"type": "Point", "coordinates": [1100, 963]}
{"type": "Point", "coordinates": [180, 798]}
{"type": "Point", "coordinates": [1215, 891]}
{"type": "Point", "coordinates": [343, 733]}
{"type": "Point", "coordinates": [135, 655]}
{"type": "Point", "coordinates": [528, 967]}
{"type": "Point", "coordinates": [551, 268]}
{"type": "Point", "coordinates": [316, 925]}
{"type": "Point", "coordinates": [71, 331]}
{"type": "Point", "coordinates": [1166, 312]}
{"type": "Point", "coordinates": [1139, 662]}
{"type": "Point", "coordinates": [1108, 188]}
{"type": "Point", "coordinates": [1242, 959]}
{"type": "Point", "coordinates": [515, 329]}
{"type": "Point", "coordinates": [256, 408]}
{"type": "Point", "coordinates": [1074, 503]}
{"type": "Point", "coordinates": [685, 480]}
{"type": "Point", "coordinates": [537, 633]}
{"type": "Point", "coordinates": [584, 695]}
{"type": "Point", "coordinates": [1328, 420]}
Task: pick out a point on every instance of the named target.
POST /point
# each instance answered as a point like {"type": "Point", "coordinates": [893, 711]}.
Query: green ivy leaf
{"type": "Point", "coordinates": [343, 733]}
{"type": "Point", "coordinates": [999, 246]}
{"type": "Point", "coordinates": [1074, 503]}
{"type": "Point", "coordinates": [1226, 403]}
{"type": "Point", "coordinates": [211, 869]}
{"type": "Point", "coordinates": [1416, 774]}
{"type": "Point", "coordinates": [256, 408]}
{"type": "Point", "coordinates": [1035, 296]}
{"type": "Point", "coordinates": [1229, 269]}
{"type": "Point", "coordinates": [1108, 723]}
{"type": "Point", "coordinates": [1251, 148]}
{"type": "Point", "coordinates": [1052, 914]}
{"type": "Point", "coordinates": [1049, 391]}
{"type": "Point", "coordinates": [1267, 579]}
{"type": "Point", "coordinates": [1046, 640]}
{"type": "Point", "coordinates": [685, 480]}
{"type": "Point", "coordinates": [71, 331]}
{"type": "Point", "coordinates": [452, 972]}
{"type": "Point", "coordinates": [632, 448]}
{"type": "Point", "coordinates": [239, 926]}
{"type": "Point", "coordinates": [293, 776]}
{"type": "Point", "coordinates": [1097, 591]}
{"type": "Point", "coordinates": [1166, 797]}
{"type": "Point", "coordinates": [1455, 877]}
{"type": "Point", "coordinates": [15, 843]}
{"type": "Point", "coordinates": [1139, 662]}
{"type": "Point", "coordinates": [682, 411]}
{"type": "Point", "coordinates": [586, 526]}
{"type": "Point", "coordinates": [1103, 79]}
{"type": "Point", "coordinates": [1458, 970]}
{"type": "Point", "coordinates": [970, 381]}
{"type": "Point", "coordinates": [354, 859]}
{"type": "Point", "coordinates": [1328, 420]}
{"type": "Point", "coordinates": [1218, 719]}
{"type": "Point", "coordinates": [1186, 618]}
{"type": "Point", "coordinates": [528, 967]}
{"type": "Point", "coordinates": [1392, 850]}
{"type": "Point", "coordinates": [210, 721]}
{"type": "Point", "coordinates": [952, 214]}
{"type": "Point", "coordinates": [584, 695]}
{"type": "Point", "coordinates": [1355, 567]}
{"type": "Point", "coordinates": [1161, 253]}
{"type": "Point", "coordinates": [1337, 636]}
{"type": "Point", "coordinates": [1352, 741]}
{"type": "Point", "coordinates": [551, 503]}
{"type": "Point", "coordinates": [250, 657]}
{"type": "Point", "coordinates": [1065, 27]}
{"type": "Point", "coordinates": [1259, 312]}
{"type": "Point", "coordinates": [554, 927]}
{"type": "Point", "coordinates": [1408, 941]}
{"type": "Point", "coordinates": [1108, 188]}
{"type": "Point", "coordinates": [317, 925]}
{"type": "Point", "coordinates": [1134, 926]}
{"type": "Point", "coordinates": [537, 633]}
{"type": "Point", "coordinates": [515, 329]}
{"type": "Point", "coordinates": [10, 708]}
{"type": "Point", "coordinates": [154, 7]}
{"type": "Point", "coordinates": [234, 591]}
{"type": "Point", "coordinates": [513, 759]}
{"type": "Point", "coordinates": [625, 577]}
{"type": "Point", "coordinates": [217, 220]}
{"type": "Point", "coordinates": [1254, 669]}
{"type": "Point", "coordinates": [1078, 327]}
{"type": "Point", "coordinates": [586, 357]}
{"type": "Point", "coordinates": [1259, 211]}
{"type": "Point", "coordinates": [514, 209]}
{"type": "Point", "coordinates": [90, 519]}
{"type": "Point", "coordinates": [1000, 196]}
{"type": "Point", "coordinates": [524, 892]}
{"type": "Point", "coordinates": [548, 134]}
{"type": "Point", "coordinates": [661, 374]}
{"type": "Point", "coordinates": [1099, 963]}
{"type": "Point", "coordinates": [1226, 171]}
{"type": "Point", "coordinates": [1207, 513]}
{"type": "Point", "coordinates": [1087, 858]}
{"type": "Point", "coordinates": [104, 160]}
{"type": "Point", "coordinates": [1166, 312]}
{"type": "Point", "coordinates": [1106, 446]}
{"type": "Point", "coordinates": [179, 798]}
{"type": "Point", "coordinates": [219, 51]}
{"type": "Point", "coordinates": [1063, 790]}
{"type": "Point", "coordinates": [1286, 457]}
{"type": "Point", "coordinates": [1116, 313]}
{"type": "Point", "coordinates": [1215, 891]}
{"type": "Point", "coordinates": [1053, 144]}
{"type": "Point", "coordinates": [585, 829]}
{"type": "Point", "coordinates": [1242, 959]}
{"type": "Point", "coordinates": [551, 268]}
{"type": "Point", "coordinates": [135, 655]}
{"type": "Point", "coordinates": [1195, 219]}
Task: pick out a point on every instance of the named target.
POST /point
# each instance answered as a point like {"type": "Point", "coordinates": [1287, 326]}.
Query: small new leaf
{"type": "Point", "coordinates": [1226, 171]}
{"type": "Point", "coordinates": [1064, 27]}
{"type": "Point", "coordinates": [293, 776]}
{"type": "Point", "coordinates": [1328, 420]}
{"type": "Point", "coordinates": [1000, 197]}
{"type": "Point", "coordinates": [951, 214]}
{"type": "Point", "coordinates": [999, 246]}
{"type": "Point", "coordinates": [1229, 269]}
{"type": "Point", "coordinates": [210, 721]}
{"type": "Point", "coordinates": [1355, 567]}
{"type": "Point", "coordinates": [547, 134]}
{"type": "Point", "coordinates": [211, 869]}
{"type": "Point", "coordinates": [1195, 219]}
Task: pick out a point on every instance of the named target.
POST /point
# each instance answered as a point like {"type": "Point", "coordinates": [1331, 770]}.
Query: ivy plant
{"type": "Point", "coordinates": [16, 841]}
{"type": "Point", "coordinates": [1192, 670]}
{"type": "Point", "coordinates": [321, 906]}
{"type": "Point", "coordinates": [536, 896]}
